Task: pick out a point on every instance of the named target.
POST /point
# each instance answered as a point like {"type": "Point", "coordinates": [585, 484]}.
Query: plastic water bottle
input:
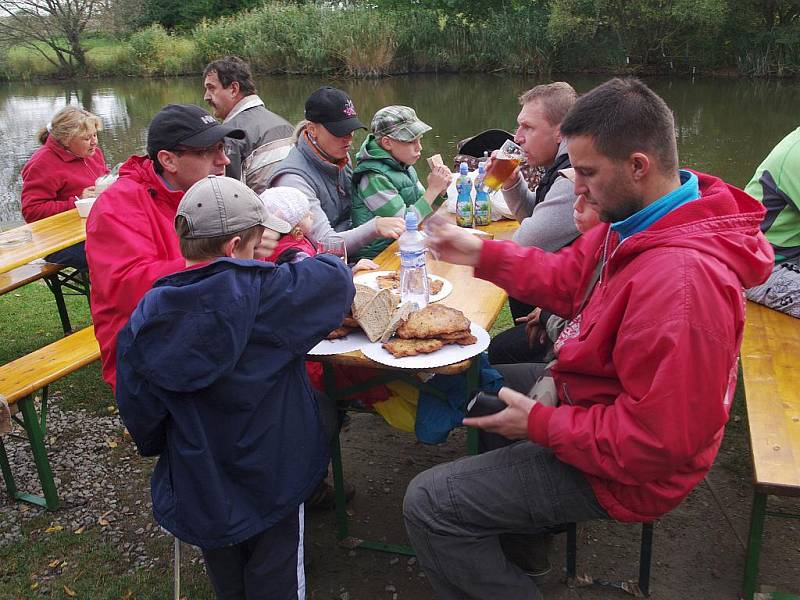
{"type": "Point", "coordinates": [413, 269]}
{"type": "Point", "coordinates": [483, 204]}
{"type": "Point", "coordinates": [464, 200]}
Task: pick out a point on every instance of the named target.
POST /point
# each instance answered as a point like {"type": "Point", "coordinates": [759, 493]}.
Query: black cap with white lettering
{"type": "Point", "coordinates": [186, 125]}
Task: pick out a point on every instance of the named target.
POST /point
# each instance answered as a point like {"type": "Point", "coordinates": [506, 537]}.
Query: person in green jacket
{"type": "Point", "coordinates": [776, 184]}
{"type": "Point", "coordinates": [384, 180]}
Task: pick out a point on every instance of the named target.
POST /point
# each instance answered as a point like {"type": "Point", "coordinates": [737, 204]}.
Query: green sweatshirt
{"type": "Point", "coordinates": [384, 187]}
{"type": "Point", "coordinates": [776, 184]}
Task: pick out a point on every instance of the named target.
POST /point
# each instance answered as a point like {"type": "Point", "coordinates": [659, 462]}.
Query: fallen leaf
{"type": "Point", "coordinates": [111, 443]}
{"type": "Point", "coordinates": [69, 591]}
{"type": "Point", "coordinates": [127, 596]}
{"type": "Point", "coordinates": [34, 585]}
{"type": "Point", "coordinates": [54, 563]}
{"type": "Point", "coordinates": [103, 522]}
{"type": "Point", "coordinates": [80, 530]}
{"type": "Point", "coordinates": [54, 529]}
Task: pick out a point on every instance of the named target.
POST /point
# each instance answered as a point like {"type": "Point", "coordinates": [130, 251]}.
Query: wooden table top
{"type": "Point", "coordinates": [479, 300]}
{"type": "Point", "coordinates": [769, 354]}
{"type": "Point", "coordinates": [46, 236]}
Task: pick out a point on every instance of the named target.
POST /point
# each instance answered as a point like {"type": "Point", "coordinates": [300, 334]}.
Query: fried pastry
{"type": "Point", "coordinates": [392, 282]}
{"type": "Point", "coordinates": [411, 347]}
{"type": "Point", "coordinates": [432, 321]}
{"type": "Point", "coordinates": [339, 332]}
{"type": "Point", "coordinates": [349, 321]}
{"type": "Point", "coordinates": [388, 282]}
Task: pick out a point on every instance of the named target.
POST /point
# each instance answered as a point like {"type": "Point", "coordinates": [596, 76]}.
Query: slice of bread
{"type": "Point", "coordinates": [435, 161]}
{"type": "Point", "coordinates": [364, 294]}
{"type": "Point", "coordinates": [400, 314]}
{"type": "Point", "coordinates": [374, 316]}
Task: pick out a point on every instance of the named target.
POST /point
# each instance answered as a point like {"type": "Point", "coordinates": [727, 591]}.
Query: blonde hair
{"type": "Point", "coordinates": [69, 122]}
{"type": "Point", "coordinates": [556, 98]}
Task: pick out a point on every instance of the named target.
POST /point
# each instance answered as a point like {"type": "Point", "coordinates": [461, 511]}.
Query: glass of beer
{"type": "Point", "coordinates": [502, 165]}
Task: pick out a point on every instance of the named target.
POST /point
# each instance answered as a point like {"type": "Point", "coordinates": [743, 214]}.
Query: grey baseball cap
{"type": "Point", "coordinates": [216, 206]}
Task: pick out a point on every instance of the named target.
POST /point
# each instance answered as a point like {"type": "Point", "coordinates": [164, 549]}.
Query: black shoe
{"type": "Point", "coordinates": [324, 497]}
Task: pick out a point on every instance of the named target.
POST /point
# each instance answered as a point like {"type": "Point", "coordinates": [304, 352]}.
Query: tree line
{"type": "Point", "coordinates": [747, 37]}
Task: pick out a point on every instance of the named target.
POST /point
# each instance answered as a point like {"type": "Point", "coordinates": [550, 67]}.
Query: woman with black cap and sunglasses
{"type": "Point", "coordinates": [319, 166]}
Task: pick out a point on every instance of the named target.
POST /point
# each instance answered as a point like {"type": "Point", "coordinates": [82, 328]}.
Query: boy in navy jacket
{"type": "Point", "coordinates": [211, 379]}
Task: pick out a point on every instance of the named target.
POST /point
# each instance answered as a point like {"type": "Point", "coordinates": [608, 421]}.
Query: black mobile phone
{"type": "Point", "coordinates": [484, 403]}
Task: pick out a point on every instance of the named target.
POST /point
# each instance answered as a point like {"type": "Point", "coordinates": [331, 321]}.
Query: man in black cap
{"type": "Point", "coordinates": [130, 237]}
{"type": "Point", "coordinates": [319, 166]}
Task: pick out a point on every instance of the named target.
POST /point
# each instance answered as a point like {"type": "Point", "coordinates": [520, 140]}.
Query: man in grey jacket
{"type": "Point", "coordinates": [545, 215]}
{"type": "Point", "coordinates": [231, 93]}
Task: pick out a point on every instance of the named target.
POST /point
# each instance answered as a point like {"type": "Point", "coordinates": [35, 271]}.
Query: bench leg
{"type": "Point", "coordinates": [572, 550]}
{"type": "Point", "coordinates": [176, 569]}
{"type": "Point", "coordinates": [8, 476]}
{"type": "Point", "coordinates": [754, 544]}
{"type": "Point", "coordinates": [645, 557]}
{"type": "Point", "coordinates": [54, 283]}
{"type": "Point", "coordinates": [35, 432]}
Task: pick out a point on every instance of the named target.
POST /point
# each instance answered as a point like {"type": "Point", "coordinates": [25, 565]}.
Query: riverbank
{"type": "Point", "coordinates": [365, 41]}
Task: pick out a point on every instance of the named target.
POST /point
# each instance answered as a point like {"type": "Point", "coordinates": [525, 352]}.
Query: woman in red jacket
{"type": "Point", "coordinates": [65, 167]}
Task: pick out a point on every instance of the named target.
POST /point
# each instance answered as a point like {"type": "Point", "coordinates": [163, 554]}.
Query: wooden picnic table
{"type": "Point", "coordinates": [46, 236]}
{"type": "Point", "coordinates": [770, 348]}
{"type": "Point", "coordinates": [479, 300]}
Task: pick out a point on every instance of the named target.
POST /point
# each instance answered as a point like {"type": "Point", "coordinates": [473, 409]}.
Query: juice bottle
{"type": "Point", "coordinates": [464, 200]}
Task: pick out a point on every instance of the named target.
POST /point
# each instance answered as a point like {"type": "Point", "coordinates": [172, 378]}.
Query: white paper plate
{"type": "Point", "coordinates": [370, 278]}
{"type": "Point", "coordinates": [352, 341]}
{"type": "Point", "coordinates": [449, 354]}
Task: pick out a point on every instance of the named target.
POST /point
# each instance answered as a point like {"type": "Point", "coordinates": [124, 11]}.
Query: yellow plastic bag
{"type": "Point", "coordinates": [400, 410]}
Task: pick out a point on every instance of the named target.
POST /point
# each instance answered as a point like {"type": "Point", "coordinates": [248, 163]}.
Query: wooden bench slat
{"type": "Point", "coordinates": [770, 353]}
{"type": "Point", "coordinates": [32, 372]}
{"type": "Point", "coordinates": [25, 274]}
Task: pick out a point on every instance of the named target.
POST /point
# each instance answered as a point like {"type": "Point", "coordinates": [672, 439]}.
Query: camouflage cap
{"type": "Point", "coordinates": [398, 122]}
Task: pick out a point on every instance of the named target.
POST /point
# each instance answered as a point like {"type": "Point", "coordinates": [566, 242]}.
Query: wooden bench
{"type": "Point", "coordinates": [770, 351]}
{"type": "Point", "coordinates": [55, 276]}
{"type": "Point", "coordinates": [20, 380]}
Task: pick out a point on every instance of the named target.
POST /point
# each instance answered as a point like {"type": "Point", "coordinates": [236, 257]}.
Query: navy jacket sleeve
{"type": "Point", "coordinates": [145, 416]}
{"type": "Point", "coordinates": [307, 300]}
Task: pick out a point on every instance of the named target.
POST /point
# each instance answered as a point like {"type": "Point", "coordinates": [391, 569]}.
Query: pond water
{"type": "Point", "coordinates": [724, 127]}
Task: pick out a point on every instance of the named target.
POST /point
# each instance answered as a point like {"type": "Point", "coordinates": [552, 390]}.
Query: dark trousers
{"type": "Point", "coordinates": [267, 566]}
{"type": "Point", "coordinates": [72, 256]}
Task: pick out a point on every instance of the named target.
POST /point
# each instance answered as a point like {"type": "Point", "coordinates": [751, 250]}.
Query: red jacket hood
{"type": "Point", "coordinates": [723, 223]}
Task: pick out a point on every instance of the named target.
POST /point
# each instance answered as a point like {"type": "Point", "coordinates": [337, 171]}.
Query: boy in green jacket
{"type": "Point", "coordinates": [384, 180]}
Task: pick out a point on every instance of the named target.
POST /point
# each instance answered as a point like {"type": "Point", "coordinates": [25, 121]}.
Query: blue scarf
{"type": "Point", "coordinates": [639, 221]}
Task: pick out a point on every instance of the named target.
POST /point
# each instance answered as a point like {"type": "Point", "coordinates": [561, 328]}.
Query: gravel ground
{"type": "Point", "coordinates": [104, 486]}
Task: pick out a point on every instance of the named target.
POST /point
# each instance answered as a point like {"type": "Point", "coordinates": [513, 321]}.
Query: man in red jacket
{"type": "Point", "coordinates": [646, 367]}
{"type": "Point", "coordinates": [130, 236]}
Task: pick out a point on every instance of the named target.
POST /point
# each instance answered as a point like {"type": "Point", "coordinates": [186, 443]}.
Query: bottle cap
{"type": "Point", "coordinates": [464, 168]}
{"type": "Point", "coordinates": [412, 219]}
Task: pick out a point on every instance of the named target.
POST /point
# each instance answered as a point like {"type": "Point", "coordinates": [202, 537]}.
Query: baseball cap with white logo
{"type": "Point", "coordinates": [186, 125]}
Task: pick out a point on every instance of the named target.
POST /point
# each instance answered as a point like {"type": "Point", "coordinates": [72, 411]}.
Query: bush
{"type": "Point", "coordinates": [153, 51]}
